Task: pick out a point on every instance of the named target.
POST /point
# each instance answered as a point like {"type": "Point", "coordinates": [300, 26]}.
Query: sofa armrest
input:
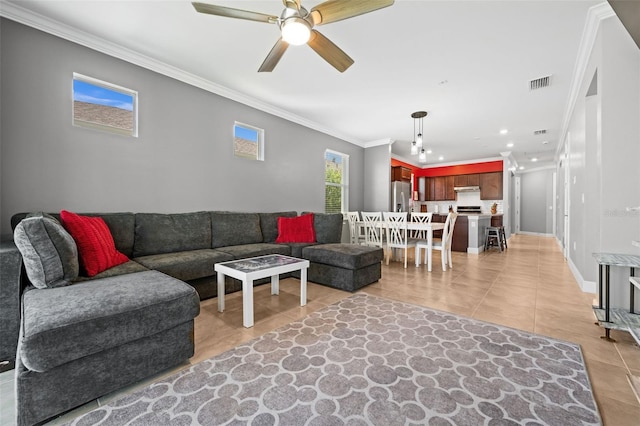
{"type": "Point", "coordinates": [10, 293]}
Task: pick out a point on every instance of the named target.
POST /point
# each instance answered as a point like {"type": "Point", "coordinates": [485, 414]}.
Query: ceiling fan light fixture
{"type": "Point", "coordinates": [295, 31]}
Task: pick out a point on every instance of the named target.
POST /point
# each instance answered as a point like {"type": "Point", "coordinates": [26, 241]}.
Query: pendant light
{"type": "Point", "coordinates": [414, 145]}
{"type": "Point", "coordinates": [417, 143]}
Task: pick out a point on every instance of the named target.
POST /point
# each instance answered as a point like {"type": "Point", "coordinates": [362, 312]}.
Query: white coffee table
{"type": "Point", "coordinates": [249, 270]}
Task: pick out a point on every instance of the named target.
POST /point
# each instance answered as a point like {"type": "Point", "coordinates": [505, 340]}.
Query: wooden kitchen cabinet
{"type": "Point", "coordinates": [440, 188]}
{"type": "Point", "coordinates": [399, 173]}
{"type": "Point", "coordinates": [467, 180]}
{"type": "Point", "coordinates": [473, 180]}
{"type": "Point", "coordinates": [491, 186]}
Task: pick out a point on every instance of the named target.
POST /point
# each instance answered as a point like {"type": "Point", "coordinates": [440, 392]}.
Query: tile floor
{"type": "Point", "coordinates": [529, 287]}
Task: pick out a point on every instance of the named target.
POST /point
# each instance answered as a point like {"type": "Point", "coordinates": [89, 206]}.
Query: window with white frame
{"type": "Point", "coordinates": [104, 106]}
{"type": "Point", "coordinates": [336, 178]}
{"type": "Point", "coordinates": [248, 142]}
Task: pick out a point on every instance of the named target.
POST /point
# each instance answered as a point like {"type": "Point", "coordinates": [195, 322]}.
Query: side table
{"type": "Point", "coordinates": [616, 318]}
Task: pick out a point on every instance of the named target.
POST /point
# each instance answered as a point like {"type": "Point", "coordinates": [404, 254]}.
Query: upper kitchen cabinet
{"type": "Point", "coordinates": [491, 186]}
{"type": "Point", "coordinates": [440, 188]}
{"type": "Point", "coordinates": [399, 173]}
{"type": "Point", "coordinates": [467, 180]}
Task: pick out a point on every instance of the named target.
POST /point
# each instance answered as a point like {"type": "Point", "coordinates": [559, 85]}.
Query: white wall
{"type": "Point", "coordinates": [604, 147]}
{"type": "Point", "coordinates": [182, 160]}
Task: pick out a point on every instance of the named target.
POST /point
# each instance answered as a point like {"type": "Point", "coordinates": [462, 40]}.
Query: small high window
{"type": "Point", "coordinates": [104, 106]}
{"type": "Point", "coordinates": [336, 177]}
{"type": "Point", "coordinates": [248, 142]}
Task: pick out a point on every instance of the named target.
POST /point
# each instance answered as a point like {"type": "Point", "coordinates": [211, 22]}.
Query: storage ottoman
{"type": "Point", "coordinates": [344, 266]}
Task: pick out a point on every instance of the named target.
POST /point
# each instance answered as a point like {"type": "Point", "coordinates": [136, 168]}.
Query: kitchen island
{"type": "Point", "coordinates": [469, 231]}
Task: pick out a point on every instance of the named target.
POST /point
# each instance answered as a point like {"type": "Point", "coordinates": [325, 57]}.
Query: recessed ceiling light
{"type": "Point", "coordinates": [441, 158]}
{"type": "Point", "coordinates": [521, 167]}
{"type": "Point", "coordinates": [534, 159]}
{"type": "Point", "coordinates": [429, 151]}
{"type": "Point", "coordinates": [510, 145]}
{"type": "Point", "coordinates": [504, 131]}
{"type": "Point", "coordinates": [545, 142]}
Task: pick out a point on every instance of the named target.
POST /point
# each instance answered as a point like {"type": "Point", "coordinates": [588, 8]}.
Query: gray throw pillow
{"type": "Point", "coordinates": [49, 253]}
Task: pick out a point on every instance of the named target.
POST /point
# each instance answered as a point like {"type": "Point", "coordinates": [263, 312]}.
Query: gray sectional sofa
{"type": "Point", "coordinates": [136, 319]}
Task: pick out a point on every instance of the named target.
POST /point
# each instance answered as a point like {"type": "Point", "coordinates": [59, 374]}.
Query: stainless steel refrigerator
{"type": "Point", "coordinates": [400, 196]}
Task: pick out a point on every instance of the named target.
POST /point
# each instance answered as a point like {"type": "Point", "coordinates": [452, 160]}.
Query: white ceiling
{"type": "Point", "coordinates": [467, 63]}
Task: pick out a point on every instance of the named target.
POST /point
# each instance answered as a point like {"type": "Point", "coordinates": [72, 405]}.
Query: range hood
{"type": "Point", "coordinates": [466, 188]}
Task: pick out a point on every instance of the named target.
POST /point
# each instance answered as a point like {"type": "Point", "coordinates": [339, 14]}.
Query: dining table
{"type": "Point", "coordinates": [429, 227]}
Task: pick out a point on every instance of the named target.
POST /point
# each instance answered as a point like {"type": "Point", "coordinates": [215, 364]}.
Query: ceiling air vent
{"type": "Point", "coordinates": [540, 132]}
{"type": "Point", "coordinates": [540, 83]}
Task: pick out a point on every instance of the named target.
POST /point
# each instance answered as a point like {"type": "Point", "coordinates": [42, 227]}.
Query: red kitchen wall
{"type": "Point", "coordinates": [462, 169]}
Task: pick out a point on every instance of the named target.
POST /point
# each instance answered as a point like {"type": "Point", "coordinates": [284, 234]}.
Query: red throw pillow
{"type": "Point", "coordinates": [96, 248]}
{"type": "Point", "coordinates": [297, 229]}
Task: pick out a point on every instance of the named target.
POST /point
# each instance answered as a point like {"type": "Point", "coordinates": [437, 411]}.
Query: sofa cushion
{"type": "Point", "coordinates": [297, 229]}
{"type": "Point", "coordinates": [185, 265]}
{"type": "Point", "coordinates": [296, 248]}
{"type": "Point", "coordinates": [121, 225]}
{"type": "Point", "coordinates": [252, 250]}
{"type": "Point", "coordinates": [49, 253]}
{"type": "Point", "coordinates": [96, 248]}
{"type": "Point", "coordinates": [60, 325]}
{"type": "Point", "coordinates": [157, 233]}
{"type": "Point", "coordinates": [328, 227]}
{"type": "Point", "coordinates": [347, 256]}
{"type": "Point", "coordinates": [231, 229]}
{"type": "Point", "coordinates": [269, 224]}
{"type": "Point", "coordinates": [129, 267]}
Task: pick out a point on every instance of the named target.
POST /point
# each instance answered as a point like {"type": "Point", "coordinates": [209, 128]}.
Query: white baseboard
{"type": "Point", "coordinates": [475, 250]}
{"type": "Point", "coordinates": [537, 234]}
{"type": "Point", "coordinates": [585, 286]}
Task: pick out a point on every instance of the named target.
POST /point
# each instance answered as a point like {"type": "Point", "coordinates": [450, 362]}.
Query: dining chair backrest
{"type": "Point", "coordinates": [447, 233]}
{"type": "Point", "coordinates": [420, 217]}
{"type": "Point", "coordinates": [372, 228]}
{"type": "Point", "coordinates": [353, 219]}
{"type": "Point", "coordinates": [396, 224]}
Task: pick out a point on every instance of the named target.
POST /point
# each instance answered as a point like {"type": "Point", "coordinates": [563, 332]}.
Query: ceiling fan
{"type": "Point", "coordinates": [296, 26]}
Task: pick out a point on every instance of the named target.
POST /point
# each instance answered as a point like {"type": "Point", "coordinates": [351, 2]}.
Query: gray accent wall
{"type": "Point", "coordinates": [536, 188]}
{"type": "Point", "coordinates": [603, 142]}
{"type": "Point", "coordinates": [182, 160]}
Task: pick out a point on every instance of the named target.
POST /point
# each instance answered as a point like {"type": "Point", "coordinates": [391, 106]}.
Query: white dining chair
{"type": "Point", "coordinates": [443, 245]}
{"type": "Point", "coordinates": [372, 229]}
{"type": "Point", "coordinates": [420, 217]}
{"type": "Point", "coordinates": [356, 230]}
{"type": "Point", "coordinates": [397, 238]}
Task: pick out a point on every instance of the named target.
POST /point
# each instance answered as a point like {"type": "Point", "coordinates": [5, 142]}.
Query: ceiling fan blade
{"type": "Point", "coordinates": [234, 13]}
{"type": "Point", "coordinates": [274, 56]}
{"type": "Point", "coordinates": [337, 10]}
{"type": "Point", "coordinates": [329, 51]}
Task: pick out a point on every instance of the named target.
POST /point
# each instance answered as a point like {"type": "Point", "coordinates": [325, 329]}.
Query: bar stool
{"type": "Point", "coordinates": [495, 237]}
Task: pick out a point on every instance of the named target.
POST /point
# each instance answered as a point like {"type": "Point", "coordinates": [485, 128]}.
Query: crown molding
{"type": "Point", "coordinates": [379, 142]}
{"type": "Point", "coordinates": [595, 15]}
{"type": "Point", "coordinates": [26, 17]}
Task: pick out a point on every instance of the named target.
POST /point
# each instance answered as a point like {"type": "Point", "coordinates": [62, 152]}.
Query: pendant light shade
{"type": "Point", "coordinates": [414, 148]}
{"type": "Point", "coordinates": [422, 158]}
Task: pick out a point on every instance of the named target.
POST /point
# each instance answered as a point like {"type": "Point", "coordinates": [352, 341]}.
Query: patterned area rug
{"type": "Point", "coordinates": [372, 361]}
